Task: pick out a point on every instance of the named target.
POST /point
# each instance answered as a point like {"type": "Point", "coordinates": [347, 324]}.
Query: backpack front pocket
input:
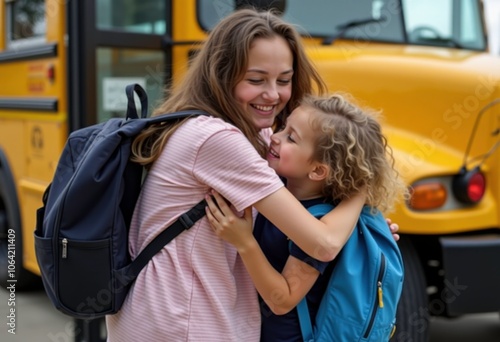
{"type": "Point", "coordinates": [84, 276]}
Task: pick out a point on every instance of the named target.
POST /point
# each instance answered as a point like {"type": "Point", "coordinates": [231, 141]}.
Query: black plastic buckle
{"type": "Point", "coordinates": [186, 221]}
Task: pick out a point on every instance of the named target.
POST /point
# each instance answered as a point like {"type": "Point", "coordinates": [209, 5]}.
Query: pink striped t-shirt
{"type": "Point", "coordinates": [196, 288]}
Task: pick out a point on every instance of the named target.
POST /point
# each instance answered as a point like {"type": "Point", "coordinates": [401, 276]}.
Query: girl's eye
{"type": "Point", "coordinates": [285, 82]}
{"type": "Point", "coordinates": [254, 81]}
{"type": "Point", "coordinates": [290, 138]}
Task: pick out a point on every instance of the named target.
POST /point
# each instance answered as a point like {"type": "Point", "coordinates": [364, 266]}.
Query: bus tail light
{"type": "Point", "coordinates": [469, 186]}
{"type": "Point", "coordinates": [51, 73]}
{"type": "Point", "coordinates": [428, 196]}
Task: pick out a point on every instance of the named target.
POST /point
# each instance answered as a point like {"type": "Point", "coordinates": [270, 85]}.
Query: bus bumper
{"type": "Point", "coordinates": [472, 273]}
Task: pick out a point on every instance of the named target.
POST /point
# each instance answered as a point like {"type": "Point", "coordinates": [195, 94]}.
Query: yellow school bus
{"type": "Point", "coordinates": [64, 65]}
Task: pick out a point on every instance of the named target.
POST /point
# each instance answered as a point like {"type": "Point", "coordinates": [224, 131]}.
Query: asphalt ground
{"type": "Point", "coordinates": [38, 321]}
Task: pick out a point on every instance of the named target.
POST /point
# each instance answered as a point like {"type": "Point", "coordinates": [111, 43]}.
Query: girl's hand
{"type": "Point", "coordinates": [226, 224]}
{"type": "Point", "coordinates": [394, 227]}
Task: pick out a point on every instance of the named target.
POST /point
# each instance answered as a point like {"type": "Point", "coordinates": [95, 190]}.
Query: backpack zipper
{"type": "Point", "coordinates": [379, 303]}
{"type": "Point", "coordinates": [64, 248]}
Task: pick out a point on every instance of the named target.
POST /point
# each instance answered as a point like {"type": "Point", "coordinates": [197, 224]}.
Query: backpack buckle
{"type": "Point", "coordinates": [186, 221]}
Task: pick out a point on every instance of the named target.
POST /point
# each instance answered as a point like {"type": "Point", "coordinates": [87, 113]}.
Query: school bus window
{"type": "Point", "coordinates": [116, 68]}
{"type": "Point", "coordinates": [25, 21]}
{"type": "Point", "coordinates": [471, 34]}
{"type": "Point", "coordinates": [452, 24]}
{"type": "Point", "coordinates": [139, 16]}
{"type": "Point", "coordinates": [211, 12]}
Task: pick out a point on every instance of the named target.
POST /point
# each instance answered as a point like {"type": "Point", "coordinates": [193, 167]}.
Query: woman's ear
{"type": "Point", "coordinates": [319, 172]}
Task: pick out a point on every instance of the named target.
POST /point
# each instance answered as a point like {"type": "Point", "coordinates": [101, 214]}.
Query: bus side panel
{"type": "Point", "coordinates": [41, 143]}
{"type": "Point", "coordinates": [30, 78]}
{"type": "Point", "coordinates": [46, 140]}
{"type": "Point", "coordinates": [11, 132]}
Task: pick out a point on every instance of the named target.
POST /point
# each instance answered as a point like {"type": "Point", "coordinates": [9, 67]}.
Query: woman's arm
{"type": "Point", "coordinates": [281, 291]}
{"type": "Point", "coordinates": [322, 239]}
{"type": "Point", "coordinates": [247, 176]}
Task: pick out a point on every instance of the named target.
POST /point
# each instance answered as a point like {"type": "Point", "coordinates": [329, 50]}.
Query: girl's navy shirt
{"type": "Point", "coordinates": [276, 247]}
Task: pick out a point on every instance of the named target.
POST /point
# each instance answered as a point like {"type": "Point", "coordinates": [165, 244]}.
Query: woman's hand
{"type": "Point", "coordinates": [394, 227]}
{"type": "Point", "coordinates": [227, 225]}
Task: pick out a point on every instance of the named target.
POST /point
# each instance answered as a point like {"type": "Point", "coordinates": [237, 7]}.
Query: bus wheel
{"type": "Point", "coordinates": [11, 242]}
{"type": "Point", "coordinates": [412, 320]}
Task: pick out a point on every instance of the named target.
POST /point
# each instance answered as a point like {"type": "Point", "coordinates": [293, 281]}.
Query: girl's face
{"type": "Point", "coordinates": [266, 86]}
{"type": "Point", "coordinates": [292, 148]}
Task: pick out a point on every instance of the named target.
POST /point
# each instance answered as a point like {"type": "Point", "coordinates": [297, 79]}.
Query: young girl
{"type": "Point", "coordinates": [328, 151]}
{"type": "Point", "coordinates": [251, 68]}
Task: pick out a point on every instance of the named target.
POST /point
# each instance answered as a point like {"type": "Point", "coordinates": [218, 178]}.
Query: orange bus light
{"type": "Point", "coordinates": [428, 196]}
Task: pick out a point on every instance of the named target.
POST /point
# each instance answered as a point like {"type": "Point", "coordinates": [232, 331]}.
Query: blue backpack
{"type": "Point", "coordinates": [363, 292]}
{"type": "Point", "coordinates": [81, 235]}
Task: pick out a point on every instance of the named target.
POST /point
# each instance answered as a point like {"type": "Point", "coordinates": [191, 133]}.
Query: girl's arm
{"type": "Point", "coordinates": [322, 239]}
{"type": "Point", "coordinates": [281, 291]}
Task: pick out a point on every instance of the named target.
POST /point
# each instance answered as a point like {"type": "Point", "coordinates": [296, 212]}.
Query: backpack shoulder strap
{"type": "Point", "coordinates": [317, 211]}
{"type": "Point", "coordinates": [305, 321]}
{"type": "Point", "coordinates": [184, 222]}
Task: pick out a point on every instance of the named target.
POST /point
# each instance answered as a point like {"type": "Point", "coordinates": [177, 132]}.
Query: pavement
{"type": "Point", "coordinates": [36, 320]}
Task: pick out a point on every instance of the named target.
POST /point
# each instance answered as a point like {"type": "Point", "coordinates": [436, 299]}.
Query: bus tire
{"type": "Point", "coordinates": [11, 257]}
{"type": "Point", "coordinates": [412, 318]}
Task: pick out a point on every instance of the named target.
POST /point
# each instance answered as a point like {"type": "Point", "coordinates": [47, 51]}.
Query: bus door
{"type": "Point", "coordinates": [112, 44]}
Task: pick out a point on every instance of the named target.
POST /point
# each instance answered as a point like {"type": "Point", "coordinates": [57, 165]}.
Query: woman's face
{"type": "Point", "coordinates": [266, 86]}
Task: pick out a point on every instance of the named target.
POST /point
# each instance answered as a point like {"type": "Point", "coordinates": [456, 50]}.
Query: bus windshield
{"type": "Point", "coordinates": [446, 23]}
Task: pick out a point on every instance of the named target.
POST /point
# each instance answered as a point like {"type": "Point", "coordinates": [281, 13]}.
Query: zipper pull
{"type": "Point", "coordinates": [64, 248]}
{"type": "Point", "coordinates": [380, 294]}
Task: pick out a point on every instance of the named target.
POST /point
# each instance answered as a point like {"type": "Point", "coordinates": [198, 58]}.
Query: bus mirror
{"type": "Point", "coordinates": [278, 5]}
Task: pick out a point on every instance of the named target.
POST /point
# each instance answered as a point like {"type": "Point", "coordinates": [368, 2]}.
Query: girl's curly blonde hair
{"type": "Point", "coordinates": [356, 151]}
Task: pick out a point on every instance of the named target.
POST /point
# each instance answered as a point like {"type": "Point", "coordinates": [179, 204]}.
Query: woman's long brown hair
{"type": "Point", "coordinates": [215, 71]}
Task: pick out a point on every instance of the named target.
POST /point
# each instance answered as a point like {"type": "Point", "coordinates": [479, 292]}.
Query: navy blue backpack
{"type": "Point", "coordinates": [363, 292]}
{"type": "Point", "coordinates": [81, 235]}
